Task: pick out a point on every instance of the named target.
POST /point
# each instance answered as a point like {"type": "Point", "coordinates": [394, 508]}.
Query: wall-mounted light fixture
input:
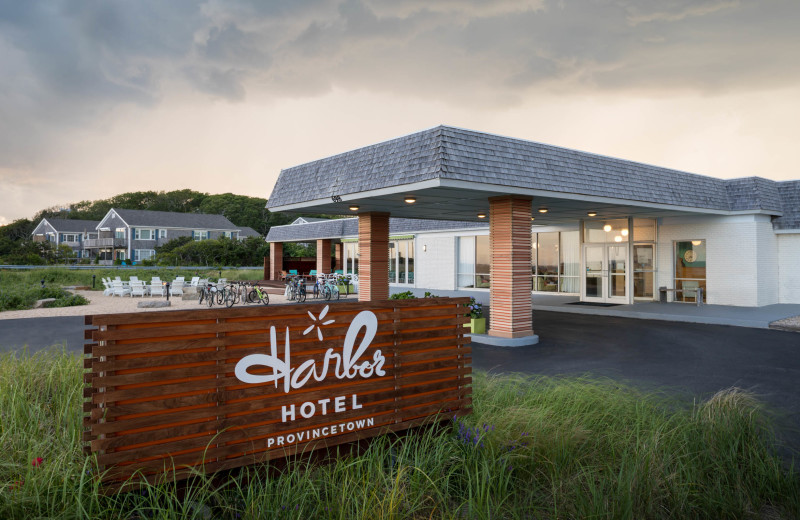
{"type": "Point", "coordinates": [617, 238]}
{"type": "Point", "coordinates": [481, 215]}
{"type": "Point", "coordinates": [424, 247]}
{"type": "Point", "coordinates": [533, 218]}
{"type": "Point", "coordinates": [543, 210]}
{"type": "Point", "coordinates": [624, 232]}
{"type": "Point", "coordinates": [696, 242]}
{"type": "Point", "coordinates": [353, 208]}
{"type": "Point", "coordinates": [607, 228]}
{"type": "Point", "coordinates": [592, 213]}
{"type": "Point", "coordinates": [410, 200]}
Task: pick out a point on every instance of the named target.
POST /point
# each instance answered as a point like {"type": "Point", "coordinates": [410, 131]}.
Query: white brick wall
{"type": "Point", "coordinates": [435, 267]}
{"type": "Point", "coordinates": [767, 258]}
{"type": "Point", "coordinates": [736, 272]}
{"type": "Point", "coordinates": [789, 267]}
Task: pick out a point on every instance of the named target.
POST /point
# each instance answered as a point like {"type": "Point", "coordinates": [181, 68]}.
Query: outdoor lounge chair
{"type": "Point", "coordinates": [176, 289]}
{"type": "Point", "coordinates": [157, 288]}
{"type": "Point", "coordinates": [138, 288]}
{"type": "Point", "coordinates": [120, 289]}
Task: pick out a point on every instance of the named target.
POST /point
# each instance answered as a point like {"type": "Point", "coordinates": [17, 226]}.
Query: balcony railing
{"type": "Point", "coordinates": [104, 242]}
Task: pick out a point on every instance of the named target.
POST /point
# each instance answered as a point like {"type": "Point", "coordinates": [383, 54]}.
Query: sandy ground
{"type": "Point", "coordinates": [99, 304]}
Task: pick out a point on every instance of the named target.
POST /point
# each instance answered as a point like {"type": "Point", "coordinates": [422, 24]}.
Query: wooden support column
{"type": "Point", "coordinates": [275, 260]}
{"type": "Point", "coordinates": [510, 244]}
{"type": "Point", "coordinates": [324, 255]}
{"type": "Point", "coordinates": [373, 264]}
{"type": "Point", "coordinates": [337, 256]}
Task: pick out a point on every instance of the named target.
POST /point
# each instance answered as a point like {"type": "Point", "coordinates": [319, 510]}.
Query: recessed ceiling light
{"type": "Point", "coordinates": [410, 200]}
{"type": "Point", "coordinates": [617, 238]}
{"type": "Point", "coordinates": [624, 232]}
{"type": "Point", "coordinates": [696, 242]}
{"type": "Point", "coordinates": [606, 228]}
{"type": "Point", "coordinates": [481, 215]}
{"type": "Point", "coordinates": [533, 218]}
{"type": "Point", "coordinates": [353, 208]}
{"type": "Point", "coordinates": [542, 210]}
{"type": "Point", "coordinates": [592, 214]}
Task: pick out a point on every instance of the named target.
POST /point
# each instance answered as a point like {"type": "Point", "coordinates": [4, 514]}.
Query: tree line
{"type": "Point", "coordinates": [17, 247]}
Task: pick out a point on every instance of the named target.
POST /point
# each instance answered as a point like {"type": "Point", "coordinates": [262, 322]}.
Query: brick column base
{"type": "Point", "coordinates": [324, 256]}
{"type": "Point", "coordinates": [510, 244]}
{"type": "Point", "coordinates": [275, 260]}
{"type": "Point", "coordinates": [373, 263]}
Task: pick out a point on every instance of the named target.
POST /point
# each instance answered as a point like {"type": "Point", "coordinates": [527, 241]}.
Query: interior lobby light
{"type": "Point", "coordinates": [607, 228]}
{"type": "Point", "coordinates": [592, 214]}
{"type": "Point", "coordinates": [617, 238]}
{"type": "Point", "coordinates": [410, 200]}
{"type": "Point", "coordinates": [624, 232]}
{"type": "Point", "coordinates": [481, 215]}
{"type": "Point", "coordinates": [353, 208]}
{"type": "Point", "coordinates": [543, 210]}
{"type": "Point", "coordinates": [533, 218]}
{"type": "Point", "coordinates": [696, 242]}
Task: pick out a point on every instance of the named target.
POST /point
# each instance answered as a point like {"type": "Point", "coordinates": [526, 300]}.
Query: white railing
{"type": "Point", "coordinates": [104, 242]}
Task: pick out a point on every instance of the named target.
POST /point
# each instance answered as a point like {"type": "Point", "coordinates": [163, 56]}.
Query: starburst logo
{"type": "Point", "coordinates": [318, 323]}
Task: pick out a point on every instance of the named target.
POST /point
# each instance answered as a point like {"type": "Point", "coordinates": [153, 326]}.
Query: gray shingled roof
{"type": "Point", "coordinates": [64, 225]}
{"type": "Point", "coordinates": [464, 155]}
{"type": "Point", "coordinates": [790, 198]}
{"type": "Point", "coordinates": [168, 219]}
{"type": "Point", "coordinates": [348, 227]}
{"type": "Point", "coordinates": [248, 232]}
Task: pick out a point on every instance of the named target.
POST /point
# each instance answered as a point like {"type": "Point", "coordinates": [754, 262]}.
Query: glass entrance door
{"type": "Point", "coordinates": [606, 273]}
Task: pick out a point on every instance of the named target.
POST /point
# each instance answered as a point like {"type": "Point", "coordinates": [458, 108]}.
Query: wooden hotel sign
{"type": "Point", "coordinates": [209, 390]}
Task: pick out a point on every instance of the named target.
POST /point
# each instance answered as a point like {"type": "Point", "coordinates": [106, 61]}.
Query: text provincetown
{"type": "Point", "coordinates": [318, 433]}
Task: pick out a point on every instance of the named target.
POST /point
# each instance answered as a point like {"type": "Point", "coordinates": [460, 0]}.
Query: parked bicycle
{"type": "Point", "coordinates": [296, 289]}
{"type": "Point", "coordinates": [257, 294]}
{"type": "Point", "coordinates": [208, 294]}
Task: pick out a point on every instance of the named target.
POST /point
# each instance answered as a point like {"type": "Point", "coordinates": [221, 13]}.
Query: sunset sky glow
{"type": "Point", "coordinates": [103, 97]}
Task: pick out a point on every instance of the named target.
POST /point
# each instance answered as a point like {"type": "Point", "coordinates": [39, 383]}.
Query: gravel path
{"type": "Point", "coordinates": [99, 304]}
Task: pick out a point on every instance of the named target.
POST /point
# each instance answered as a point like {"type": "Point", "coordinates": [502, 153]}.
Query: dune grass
{"type": "Point", "coordinates": [533, 448]}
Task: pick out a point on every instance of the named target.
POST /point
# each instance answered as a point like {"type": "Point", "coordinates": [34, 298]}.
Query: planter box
{"type": "Point", "coordinates": [477, 325]}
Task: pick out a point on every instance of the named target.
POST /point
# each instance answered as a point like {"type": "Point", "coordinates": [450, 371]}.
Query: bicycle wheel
{"type": "Point", "coordinates": [202, 297]}
{"type": "Point", "coordinates": [210, 297]}
{"type": "Point", "coordinates": [335, 292]}
{"type": "Point", "coordinates": [252, 296]}
{"type": "Point", "coordinates": [326, 293]}
{"type": "Point", "coordinates": [220, 296]}
{"type": "Point", "coordinates": [264, 297]}
{"type": "Point", "coordinates": [230, 298]}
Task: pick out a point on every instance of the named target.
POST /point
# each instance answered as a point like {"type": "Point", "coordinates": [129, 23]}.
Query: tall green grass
{"type": "Point", "coordinates": [533, 448]}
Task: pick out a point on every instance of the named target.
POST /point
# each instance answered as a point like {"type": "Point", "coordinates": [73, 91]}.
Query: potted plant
{"type": "Point", "coordinates": [477, 323]}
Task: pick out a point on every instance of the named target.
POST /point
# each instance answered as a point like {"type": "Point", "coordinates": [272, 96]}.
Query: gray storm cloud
{"type": "Point", "coordinates": [67, 65]}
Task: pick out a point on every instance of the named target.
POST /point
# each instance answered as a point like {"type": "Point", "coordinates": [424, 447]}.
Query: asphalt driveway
{"type": "Point", "coordinates": [693, 359]}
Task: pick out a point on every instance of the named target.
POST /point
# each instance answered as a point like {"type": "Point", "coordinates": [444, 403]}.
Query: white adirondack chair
{"type": "Point", "coordinates": [137, 288]}
{"type": "Point", "coordinates": [120, 289]}
{"type": "Point", "coordinates": [176, 289]}
{"type": "Point", "coordinates": [157, 288]}
{"type": "Point", "coordinates": [195, 281]}
{"type": "Point", "coordinates": [134, 279]}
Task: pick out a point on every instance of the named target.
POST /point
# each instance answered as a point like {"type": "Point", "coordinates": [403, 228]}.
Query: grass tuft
{"type": "Point", "coordinates": [533, 448]}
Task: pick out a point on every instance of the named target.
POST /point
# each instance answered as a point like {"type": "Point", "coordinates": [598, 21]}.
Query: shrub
{"type": "Point", "coordinates": [408, 295]}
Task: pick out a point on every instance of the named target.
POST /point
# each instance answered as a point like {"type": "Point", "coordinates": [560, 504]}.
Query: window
{"type": "Point", "coordinates": [644, 255]}
{"type": "Point", "coordinates": [555, 261]}
{"type": "Point", "coordinates": [474, 262]}
{"type": "Point", "coordinates": [119, 232]}
{"type": "Point", "coordinates": [401, 261]}
{"type": "Point", "coordinates": [199, 235]}
{"type": "Point", "coordinates": [690, 269]}
{"type": "Point", "coordinates": [145, 234]}
{"type": "Point", "coordinates": [351, 257]}
{"type": "Point", "coordinates": [162, 233]}
{"type": "Point", "coordinates": [69, 237]}
{"type": "Point", "coordinates": [143, 254]}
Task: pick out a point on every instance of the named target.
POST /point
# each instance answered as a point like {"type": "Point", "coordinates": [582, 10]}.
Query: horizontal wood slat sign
{"type": "Point", "coordinates": [209, 390]}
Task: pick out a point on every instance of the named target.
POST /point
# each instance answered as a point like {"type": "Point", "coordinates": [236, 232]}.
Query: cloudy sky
{"type": "Point", "coordinates": [102, 97]}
